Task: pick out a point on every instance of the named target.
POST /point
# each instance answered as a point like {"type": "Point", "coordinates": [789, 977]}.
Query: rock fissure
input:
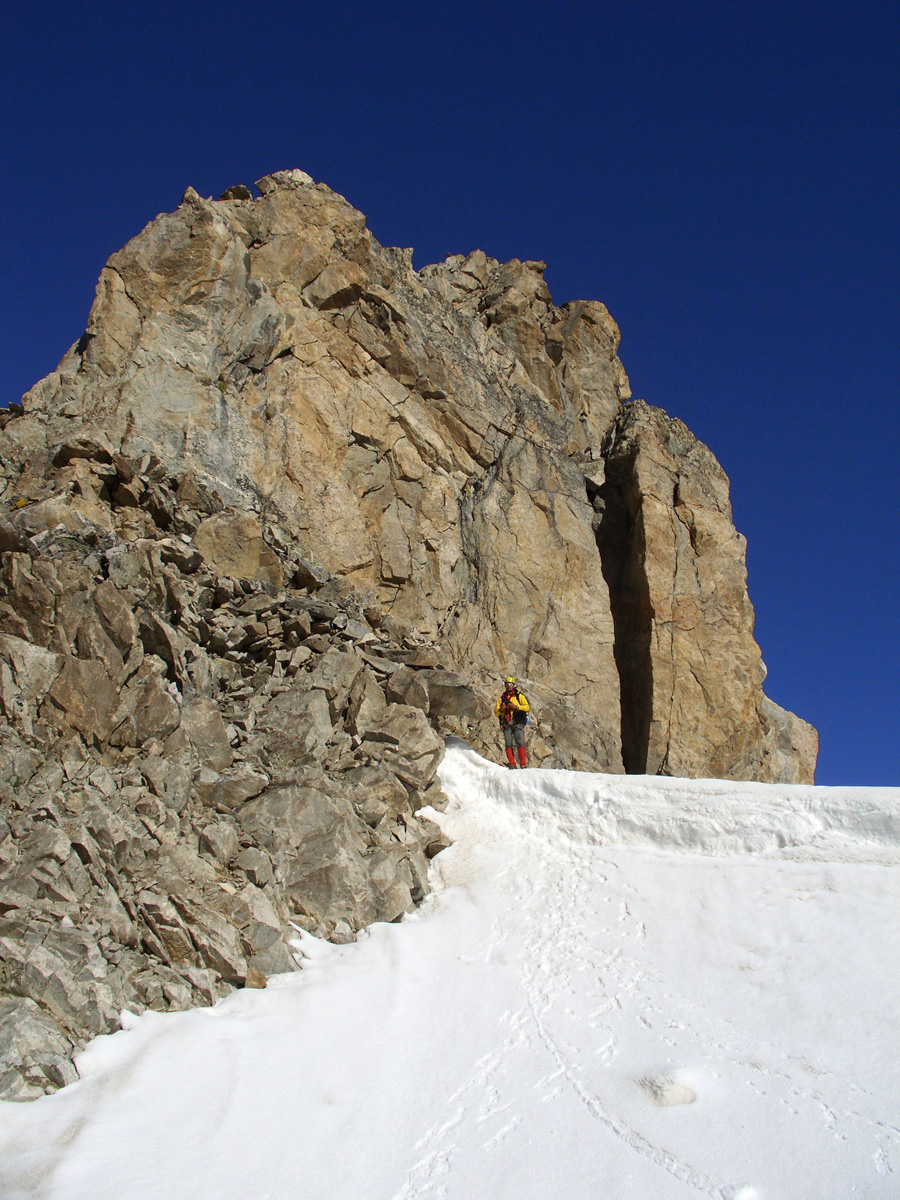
{"type": "Point", "coordinates": [618, 533]}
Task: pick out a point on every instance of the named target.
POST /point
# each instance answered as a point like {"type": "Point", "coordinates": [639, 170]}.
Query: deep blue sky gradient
{"type": "Point", "coordinates": [723, 176]}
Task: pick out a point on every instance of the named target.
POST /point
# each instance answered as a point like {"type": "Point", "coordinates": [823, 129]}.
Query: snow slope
{"type": "Point", "coordinates": [620, 989]}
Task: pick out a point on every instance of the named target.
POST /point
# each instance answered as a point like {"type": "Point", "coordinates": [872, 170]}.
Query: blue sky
{"type": "Point", "coordinates": [723, 176]}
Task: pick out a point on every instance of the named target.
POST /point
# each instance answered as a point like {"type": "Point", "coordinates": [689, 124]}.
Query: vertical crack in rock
{"type": "Point", "coordinates": [618, 527]}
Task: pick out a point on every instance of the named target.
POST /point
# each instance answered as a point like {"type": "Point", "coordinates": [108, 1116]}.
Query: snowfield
{"type": "Point", "coordinates": [620, 989]}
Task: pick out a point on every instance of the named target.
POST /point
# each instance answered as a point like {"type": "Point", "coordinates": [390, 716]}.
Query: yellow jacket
{"type": "Point", "coordinates": [517, 702]}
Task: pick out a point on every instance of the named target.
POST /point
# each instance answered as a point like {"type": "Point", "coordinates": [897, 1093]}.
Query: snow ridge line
{"type": "Point", "coordinates": [700, 816]}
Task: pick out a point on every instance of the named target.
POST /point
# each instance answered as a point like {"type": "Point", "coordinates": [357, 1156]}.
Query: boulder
{"type": "Point", "coordinates": [407, 686]}
{"type": "Point", "coordinates": [335, 674]}
{"type": "Point", "coordinates": [315, 839]}
{"type": "Point", "coordinates": [338, 285]}
{"type": "Point", "coordinates": [167, 925]}
{"type": "Point", "coordinates": [220, 841]}
{"type": "Point", "coordinates": [256, 866]}
{"type": "Point", "coordinates": [150, 710]}
{"type": "Point", "coordinates": [365, 703]}
{"type": "Point", "coordinates": [295, 727]}
{"type": "Point", "coordinates": [26, 675]}
{"type": "Point", "coordinates": [11, 540]}
{"type": "Point", "coordinates": [216, 941]}
{"type": "Point", "coordinates": [230, 791]}
{"type": "Point", "coordinates": [85, 697]}
{"type": "Point", "coordinates": [283, 179]}
{"type": "Point", "coordinates": [414, 751]}
{"type": "Point", "coordinates": [169, 778]}
{"type": "Point", "coordinates": [450, 695]}
{"type": "Point", "coordinates": [203, 724]}
{"type": "Point", "coordinates": [238, 191]}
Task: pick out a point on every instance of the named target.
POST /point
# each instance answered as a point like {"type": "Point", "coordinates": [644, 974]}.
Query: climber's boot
{"type": "Point", "coordinates": [511, 757]}
{"type": "Point", "coordinates": [522, 762]}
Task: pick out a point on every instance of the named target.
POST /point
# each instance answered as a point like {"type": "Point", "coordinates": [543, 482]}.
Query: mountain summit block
{"type": "Point", "coordinates": [451, 447]}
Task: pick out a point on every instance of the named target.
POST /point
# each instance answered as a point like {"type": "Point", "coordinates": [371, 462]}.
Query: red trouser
{"type": "Point", "coordinates": [514, 735]}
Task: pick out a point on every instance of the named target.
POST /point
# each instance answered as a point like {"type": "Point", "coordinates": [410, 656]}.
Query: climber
{"type": "Point", "coordinates": [512, 710]}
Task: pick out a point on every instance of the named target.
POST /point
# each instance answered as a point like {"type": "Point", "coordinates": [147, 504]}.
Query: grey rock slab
{"type": "Point", "coordinates": [34, 1052]}
{"type": "Point", "coordinates": [284, 818]}
{"type": "Point", "coordinates": [375, 793]}
{"type": "Point", "coordinates": [416, 769]}
{"type": "Point", "coordinates": [412, 749]}
{"type": "Point", "coordinates": [203, 981]}
{"type": "Point", "coordinates": [407, 686]}
{"type": "Point", "coordinates": [169, 778]}
{"type": "Point", "coordinates": [296, 727]}
{"type": "Point", "coordinates": [81, 1003]}
{"type": "Point", "coordinates": [358, 632]}
{"type": "Point", "coordinates": [335, 674]}
{"type": "Point", "coordinates": [220, 841]}
{"type": "Point", "coordinates": [115, 607]}
{"type": "Point", "coordinates": [178, 995]}
{"type": "Point", "coordinates": [46, 841]}
{"type": "Point", "coordinates": [403, 726]}
{"type": "Point", "coordinates": [256, 866]}
{"type": "Point", "coordinates": [152, 712]}
{"type": "Point", "coordinates": [275, 959]}
{"type": "Point", "coordinates": [186, 558]}
{"type": "Point", "coordinates": [252, 906]}
{"type": "Point", "coordinates": [93, 642]}
{"type": "Point", "coordinates": [206, 730]}
{"type": "Point", "coordinates": [317, 842]}
{"type": "Point", "coordinates": [168, 927]}
{"type": "Point", "coordinates": [86, 696]}
{"type": "Point", "coordinates": [30, 672]}
{"type": "Point", "coordinates": [451, 695]}
{"type": "Point", "coordinates": [230, 791]}
{"type": "Point", "coordinates": [217, 941]}
{"type": "Point", "coordinates": [391, 880]}
{"type": "Point", "coordinates": [111, 835]}
{"type": "Point", "coordinates": [365, 703]}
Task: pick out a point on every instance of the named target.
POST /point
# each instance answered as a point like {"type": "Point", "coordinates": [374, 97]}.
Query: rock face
{"type": "Point", "coordinates": [225, 769]}
{"type": "Point", "coordinates": [691, 673]}
{"type": "Point", "coordinates": [279, 520]}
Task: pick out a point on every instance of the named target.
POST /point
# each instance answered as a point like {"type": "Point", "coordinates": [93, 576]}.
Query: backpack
{"type": "Point", "coordinates": [515, 716]}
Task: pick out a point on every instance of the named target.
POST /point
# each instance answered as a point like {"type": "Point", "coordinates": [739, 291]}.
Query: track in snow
{"type": "Point", "coordinates": [707, 1011]}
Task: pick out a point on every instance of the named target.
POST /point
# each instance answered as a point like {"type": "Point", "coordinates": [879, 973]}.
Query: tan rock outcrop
{"type": "Point", "coordinates": [439, 440]}
{"type": "Point", "coordinates": [234, 546]}
{"type": "Point", "coordinates": [272, 531]}
{"type": "Point", "coordinates": [691, 673]}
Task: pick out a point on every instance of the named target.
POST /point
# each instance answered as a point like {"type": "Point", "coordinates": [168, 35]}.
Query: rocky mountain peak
{"type": "Point", "coordinates": [281, 519]}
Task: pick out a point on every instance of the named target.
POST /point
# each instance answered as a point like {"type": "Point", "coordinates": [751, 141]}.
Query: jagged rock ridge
{"type": "Point", "coordinates": [435, 438]}
{"type": "Point", "coordinates": [283, 486]}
